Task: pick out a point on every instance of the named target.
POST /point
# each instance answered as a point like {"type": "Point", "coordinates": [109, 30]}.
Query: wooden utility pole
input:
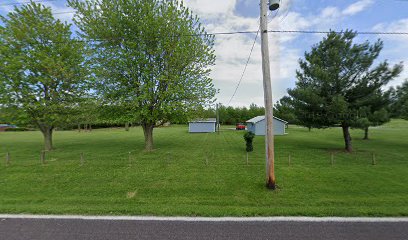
{"type": "Point", "coordinates": [266, 71]}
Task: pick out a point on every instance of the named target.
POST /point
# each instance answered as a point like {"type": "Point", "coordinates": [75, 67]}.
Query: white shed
{"type": "Point", "coordinates": [257, 125]}
{"type": "Point", "coordinates": [202, 125]}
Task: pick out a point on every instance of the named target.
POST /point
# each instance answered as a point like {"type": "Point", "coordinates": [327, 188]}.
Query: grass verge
{"type": "Point", "coordinates": [206, 174]}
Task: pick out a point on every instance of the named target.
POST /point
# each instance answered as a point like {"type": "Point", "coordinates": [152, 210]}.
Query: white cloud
{"type": "Point", "coordinates": [211, 8]}
{"type": "Point", "coordinates": [330, 12]}
{"type": "Point", "coordinates": [357, 7]}
{"type": "Point", "coordinates": [395, 45]}
{"type": "Point", "coordinates": [232, 51]}
{"type": "Point", "coordinates": [397, 26]}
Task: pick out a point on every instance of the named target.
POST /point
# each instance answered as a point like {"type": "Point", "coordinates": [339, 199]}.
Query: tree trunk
{"type": "Point", "coordinates": [347, 138]}
{"type": "Point", "coordinates": [79, 127]}
{"type": "Point", "coordinates": [47, 133]}
{"type": "Point", "coordinates": [148, 134]}
{"type": "Point", "coordinates": [90, 127]}
{"type": "Point", "coordinates": [126, 126]}
{"type": "Point", "coordinates": [365, 133]}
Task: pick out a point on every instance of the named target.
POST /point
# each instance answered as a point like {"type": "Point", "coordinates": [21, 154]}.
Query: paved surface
{"type": "Point", "coordinates": [78, 229]}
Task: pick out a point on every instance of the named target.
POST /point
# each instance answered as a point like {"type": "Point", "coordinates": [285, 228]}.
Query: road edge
{"type": "Point", "coordinates": [209, 219]}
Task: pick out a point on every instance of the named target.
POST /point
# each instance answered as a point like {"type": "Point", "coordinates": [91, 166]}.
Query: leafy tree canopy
{"type": "Point", "coordinates": [152, 57]}
{"type": "Point", "coordinates": [374, 111]}
{"type": "Point", "coordinates": [284, 109]}
{"type": "Point", "coordinates": [42, 73]}
{"type": "Point", "coordinates": [399, 105]}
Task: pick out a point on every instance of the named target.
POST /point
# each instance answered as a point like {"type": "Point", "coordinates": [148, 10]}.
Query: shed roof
{"type": "Point", "coordinates": [260, 118]}
{"type": "Point", "coordinates": [205, 120]}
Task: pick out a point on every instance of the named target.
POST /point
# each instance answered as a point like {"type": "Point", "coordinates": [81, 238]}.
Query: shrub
{"type": "Point", "coordinates": [249, 137]}
{"type": "Point", "coordinates": [16, 129]}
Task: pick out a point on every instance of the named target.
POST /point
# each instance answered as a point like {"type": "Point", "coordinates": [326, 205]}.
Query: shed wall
{"type": "Point", "coordinates": [260, 129]}
{"type": "Point", "coordinates": [251, 127]}
{"type": "Point", "coordinates": [201, 127]}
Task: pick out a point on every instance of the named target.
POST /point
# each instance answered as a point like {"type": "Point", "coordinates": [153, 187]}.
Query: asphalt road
{"type": "Point", "coordinates": [59, 229]}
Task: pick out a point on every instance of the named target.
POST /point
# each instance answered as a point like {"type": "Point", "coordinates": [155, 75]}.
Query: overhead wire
{"type": "Point", "coordinates": [287, 12]}
{"type": "Point", "coordinates": [247, 62]}
{"type": "Point", "coordinates": [303, 32]}
{"type": "Point", "coordinates": [276, 14]}
{"type": "Point", "coordinates": [331, 31]}
{"type": "Point", "coordinates": [245, 68]}
{"type": "Point", "coordinates": [234, 33]}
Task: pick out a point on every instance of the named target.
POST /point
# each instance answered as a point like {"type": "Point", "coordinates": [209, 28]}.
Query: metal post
{"type": "Point", "coordinates": [332, 158]}
{"type": "Point", "coordinates": [42, 157]}
{"type": "Point", "coordinates": [7, 158]}
{"type": "Point", "coordinates": [289, 159]}
{"type": "Point", "coordinates": [82, 159]}
{"type": "Point", "coordinates": [247, 159]}
{"type": "Point", "coordinates": [218, 119]}
{"type": "Point", "coordinates": [266, 71]}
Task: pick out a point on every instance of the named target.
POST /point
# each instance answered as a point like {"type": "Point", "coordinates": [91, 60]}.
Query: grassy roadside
{"type": "Point", "coordinates": [175, 179]}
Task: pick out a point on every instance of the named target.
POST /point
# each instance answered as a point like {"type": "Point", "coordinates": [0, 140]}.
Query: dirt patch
{"type": "Point", "coordinates": [130, 195]}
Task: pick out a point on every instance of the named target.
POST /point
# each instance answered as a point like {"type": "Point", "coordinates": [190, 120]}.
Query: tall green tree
{"type": "Point", "coordinates": [120, 115]}
{"type": "Point", "coordinates": [42, 73]}
{"type": "Point", "coordinates": [233, 115]}
{"type": "Point", "coordinates": [88, 114]}
{"type": "Point", "coordinates": [151, 56]}
{"type": "Point", "coordinates": [255, 110]}
{"type": "Point", "coordinates": [284, 109]}
{"type": "Point", "coordinates": [374, 111]}
{"type": "Point", "coordinates": [399, 106]}
{"type": "Point", "coordinates": [334, 80]}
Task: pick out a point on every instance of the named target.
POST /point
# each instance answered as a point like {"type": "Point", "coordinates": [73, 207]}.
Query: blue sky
{"type": "Point", "coordinates": [285, 49]}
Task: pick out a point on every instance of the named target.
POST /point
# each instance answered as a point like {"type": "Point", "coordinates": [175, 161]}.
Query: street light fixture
{"type": "Point", "coordinates": [274, 5]}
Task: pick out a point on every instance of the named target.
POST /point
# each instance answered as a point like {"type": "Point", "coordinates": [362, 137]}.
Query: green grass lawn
{"type": "Point", "coordinates": [175, 179]}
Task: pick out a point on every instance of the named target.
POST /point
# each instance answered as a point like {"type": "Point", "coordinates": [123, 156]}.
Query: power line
{"type": "Point", "coordinates": [246, 65]}
{"type": "Point", "coordinates": [22, 3]}
{"type": "Point", "coordinates": [273, 31]}
{"type": "Point", "coordinates": [308, 32]}
{"type": "Point", "coordinates": [279, 31]}
{"type": "Point", "coordinates": [326, 32]}
{"type": "Point", "coordinates": [235, 33]}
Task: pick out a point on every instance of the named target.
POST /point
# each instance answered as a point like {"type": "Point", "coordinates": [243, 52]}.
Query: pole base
{"type": "Point", "coordinates": [271, 185]}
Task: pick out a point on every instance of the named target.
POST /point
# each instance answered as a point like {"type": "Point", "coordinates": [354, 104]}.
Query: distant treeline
{"type": "Point", "coordinates": [233, 115]}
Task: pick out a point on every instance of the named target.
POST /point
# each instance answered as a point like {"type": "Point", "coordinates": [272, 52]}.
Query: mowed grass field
{"type": "Point", "coordinates": [206, 174]}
